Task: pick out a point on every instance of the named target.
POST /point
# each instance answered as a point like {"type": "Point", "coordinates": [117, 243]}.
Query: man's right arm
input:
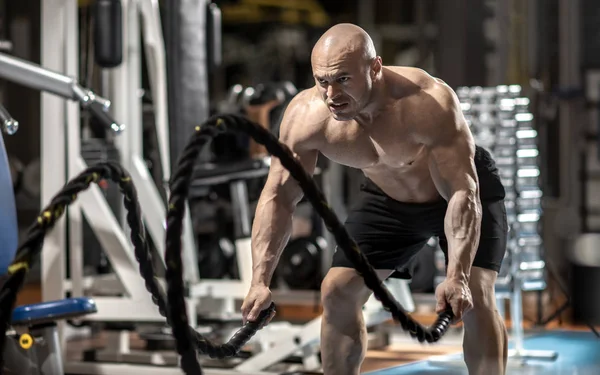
{"type": "Point", "coordinates": [272, 225]}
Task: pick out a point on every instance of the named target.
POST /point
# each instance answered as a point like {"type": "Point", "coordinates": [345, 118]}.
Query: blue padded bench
{"type": "Point", "coordinates": [46, 312]}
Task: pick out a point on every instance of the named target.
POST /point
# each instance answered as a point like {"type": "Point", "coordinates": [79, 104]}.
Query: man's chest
{"type": "Point", "coordinates": [385, 145]}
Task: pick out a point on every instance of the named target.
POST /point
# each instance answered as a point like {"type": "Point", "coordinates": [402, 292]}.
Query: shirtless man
{"type": "Point", "coordinates": [424, 177]}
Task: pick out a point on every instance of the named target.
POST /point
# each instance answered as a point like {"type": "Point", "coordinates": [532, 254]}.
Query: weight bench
{"type": "Point", "coordinates": [38, 351]}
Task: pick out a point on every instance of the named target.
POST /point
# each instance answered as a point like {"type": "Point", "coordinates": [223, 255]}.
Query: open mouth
{"type": "Point", "coordinates": [337, 107]}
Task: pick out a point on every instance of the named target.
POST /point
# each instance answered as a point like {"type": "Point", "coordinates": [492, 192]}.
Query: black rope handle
{"type": "Point", "coordinates": [179, 187]}
{"type": "Point", "coordinates": [32, 245]}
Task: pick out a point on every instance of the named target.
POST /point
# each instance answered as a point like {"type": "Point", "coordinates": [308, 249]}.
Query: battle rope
{"type": "Point", "coordinates": [32, 245]}
{"type": "Point", "coordinates": [179, 186]}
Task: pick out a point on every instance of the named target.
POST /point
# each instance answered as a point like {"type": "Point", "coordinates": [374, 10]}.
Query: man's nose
{"type": "Point", "coordinates": [332, 91]}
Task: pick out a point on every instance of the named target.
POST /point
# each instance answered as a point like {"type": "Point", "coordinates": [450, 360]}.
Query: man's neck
{"type": "Point", "coordinates": [377, 103]}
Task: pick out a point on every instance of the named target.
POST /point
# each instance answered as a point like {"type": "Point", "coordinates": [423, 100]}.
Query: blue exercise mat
{"type": "Point", "coordinates": [578, 353]}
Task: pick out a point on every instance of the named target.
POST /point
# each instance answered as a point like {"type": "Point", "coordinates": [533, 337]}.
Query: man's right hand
{"type": "Point", "coordinates": [258, 299]}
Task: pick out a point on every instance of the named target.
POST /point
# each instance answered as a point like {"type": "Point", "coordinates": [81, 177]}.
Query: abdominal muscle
{"type": "Point", "coordinates": [410, 187]}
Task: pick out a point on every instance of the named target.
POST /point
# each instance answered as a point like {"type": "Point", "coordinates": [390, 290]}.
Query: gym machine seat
{"type": "Point", "coordinates": [47, 312]}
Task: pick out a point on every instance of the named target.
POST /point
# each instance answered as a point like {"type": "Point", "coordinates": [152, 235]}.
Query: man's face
{"type": "Point", "coordinates": [344, 85]}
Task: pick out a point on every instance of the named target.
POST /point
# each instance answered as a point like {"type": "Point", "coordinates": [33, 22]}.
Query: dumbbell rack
{"type": "Point", "coordinates": [501, 122]}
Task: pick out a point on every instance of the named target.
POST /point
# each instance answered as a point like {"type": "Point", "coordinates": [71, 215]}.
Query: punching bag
{"type": "Point", "coordinates": [187, 71]}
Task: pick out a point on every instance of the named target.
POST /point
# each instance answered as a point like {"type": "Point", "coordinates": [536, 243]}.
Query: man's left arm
{"type": "Point", "coordinates": [451, 162]}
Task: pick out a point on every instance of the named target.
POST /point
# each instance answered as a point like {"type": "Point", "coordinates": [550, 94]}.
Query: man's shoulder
{"type": "Point", "coordinates": [308, 105]}
{"type": "Point", "coordinates": [418, 78]}
{"type": "Point", "coordinates": [305, 118]}
{"type": "Point", "coordinates": [416, 87]}
{"type": "Point", "coordinates": [434, 107]}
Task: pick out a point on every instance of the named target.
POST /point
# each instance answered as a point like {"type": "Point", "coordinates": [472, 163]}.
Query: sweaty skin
{"type": "Point", "coordinates": [404, 129]}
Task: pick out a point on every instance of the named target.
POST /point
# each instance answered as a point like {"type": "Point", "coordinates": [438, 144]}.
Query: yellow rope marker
{"type": "Point", "coordinates": [26, 341]}
{"type": "Point", "coordinates": [197, 128]}
{"type": "Point", "coordinates": [126, 179]}
{"type": "Point", "coordinates": [220, 122]}
{"type": "Point", "coordinates": [14, 268]}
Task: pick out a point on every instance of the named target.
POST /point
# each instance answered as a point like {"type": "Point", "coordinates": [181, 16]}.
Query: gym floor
{"type": "Point", "coordinates": [576, 345]}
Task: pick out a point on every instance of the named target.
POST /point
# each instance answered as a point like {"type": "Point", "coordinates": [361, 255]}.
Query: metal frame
{"type": "Point", "coordinates": [127, 105]}
{"type": "Point", "coordinates": [60, 48]}
{"type": "Point", "coordinates": [62, 160]}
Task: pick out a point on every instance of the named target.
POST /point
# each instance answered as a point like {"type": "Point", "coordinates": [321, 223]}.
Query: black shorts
{"type": "Point", "coordinates": [390, 233]}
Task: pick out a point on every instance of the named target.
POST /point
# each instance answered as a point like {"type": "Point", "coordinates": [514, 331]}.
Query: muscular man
{"type": "Point", "coordinates": [424, 177]}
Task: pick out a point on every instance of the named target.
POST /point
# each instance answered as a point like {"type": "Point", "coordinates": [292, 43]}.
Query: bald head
{"type": "Point", "coordinates": [345, 68]}
{"type": "Point", "coordinates": [342, 41]}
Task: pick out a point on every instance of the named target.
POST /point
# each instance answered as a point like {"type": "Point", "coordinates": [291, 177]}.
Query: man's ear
{"type": "Point", "coordinates": [376, 66]}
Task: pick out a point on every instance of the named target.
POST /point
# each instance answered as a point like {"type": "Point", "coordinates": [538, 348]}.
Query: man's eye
{"type": "Point", "coordinates": [343, 79]}
{"type": "Point", "coordinates": [321, 81]}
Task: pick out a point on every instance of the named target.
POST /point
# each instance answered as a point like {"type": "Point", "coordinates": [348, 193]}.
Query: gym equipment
{"type": "Point", "coordinates": [500, 121]}
{"type": "Point", "coordinates": [8, 124]}
{"type": "Point", "coordinates": [218, 295]}
{"type": "Point", "coordinates": [126, 299]}
{"type": "Point", "coordinates": [34, 76]}
{"type": "Point", "coordinates": [41, 343]}
{"type": "Point", "coordinates": [61, 160]}
{"type": "Point", "coordinates": [33, 244]}
{"type": "Point", "coordinates": [94, 151]}
{"type": "Point", "coordinates": [125, 88]}
{"type": "Point", "coordinates": [179, 188]}
{"type": "Point", "coordinates": [300, 263]}
{"type": "Point", "coordinates": [40, 340]}
{"type": "Point", "coordinates": [281, 93]}
{"type": "Point", "coordinates": [108, 33]}
{"type": "Point", "coordinates": [214, 51]}
{"type": "Point", "coordinates": [187, 68]}
{"type": "Point", "coordinates": [215, 257]}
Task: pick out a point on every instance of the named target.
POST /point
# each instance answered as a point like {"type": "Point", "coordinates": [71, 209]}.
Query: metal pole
{"type": "Point", "coordinates": [53, 149]}
{"type": "Point", "coordinates": [569, 110]}
{"type": "Point", "coordinates": [75, 217]}
{"type": "Point", "coordinates": [34, 76]}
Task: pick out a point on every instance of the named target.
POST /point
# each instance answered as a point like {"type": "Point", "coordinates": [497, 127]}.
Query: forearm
{"type": "Point", "coordinates": [462, 228]}
{"type": "Point", "coordinates": [271, 231]}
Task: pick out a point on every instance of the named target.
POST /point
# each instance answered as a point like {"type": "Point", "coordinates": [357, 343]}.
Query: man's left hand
{"type": "Point", "coordinates": [456, 294]}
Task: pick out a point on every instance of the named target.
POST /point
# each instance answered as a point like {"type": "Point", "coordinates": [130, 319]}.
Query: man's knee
{"type": "Point", "coordinates": [343, 288]}
{"type": "Point", "coordinates": [482, 286]}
